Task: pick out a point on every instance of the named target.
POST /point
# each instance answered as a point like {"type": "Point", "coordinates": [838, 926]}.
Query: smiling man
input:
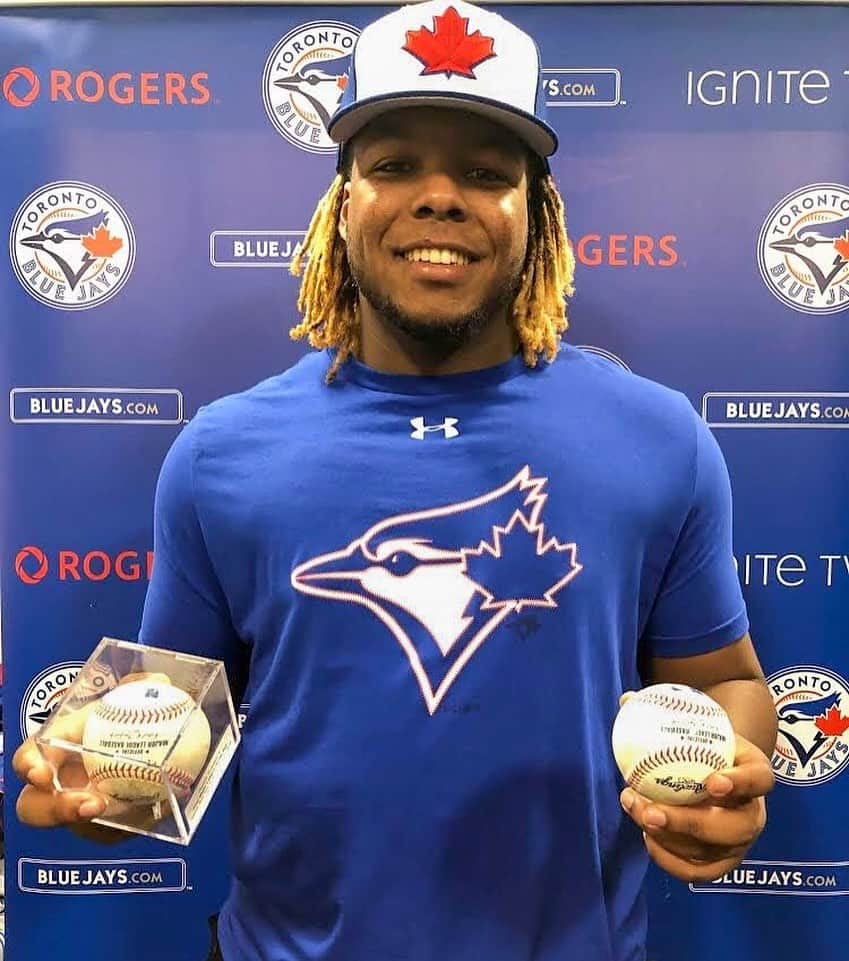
{"type": "Point", "coordinates": [448, 281]}
{"type": "Point", "coordinates": [440, 548]}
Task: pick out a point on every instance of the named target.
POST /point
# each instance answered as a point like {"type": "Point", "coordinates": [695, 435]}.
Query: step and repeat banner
{"type": "Point", "coordinates": [158, 168]}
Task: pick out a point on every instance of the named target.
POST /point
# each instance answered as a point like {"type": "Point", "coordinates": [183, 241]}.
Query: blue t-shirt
{"type": "Point", "coordinates": [441, 586]}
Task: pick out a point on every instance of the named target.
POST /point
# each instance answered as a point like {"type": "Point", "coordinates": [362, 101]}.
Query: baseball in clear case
{"type": "Point", "coordinates": [151, 730]}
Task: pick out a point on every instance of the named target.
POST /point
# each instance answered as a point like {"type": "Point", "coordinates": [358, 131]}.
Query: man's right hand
{"type": "Point", "coordinates": [40, 804]}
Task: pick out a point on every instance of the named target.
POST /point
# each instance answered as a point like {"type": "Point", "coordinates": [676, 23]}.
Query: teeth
{"type": "Point", "coordinates": [436, 255]}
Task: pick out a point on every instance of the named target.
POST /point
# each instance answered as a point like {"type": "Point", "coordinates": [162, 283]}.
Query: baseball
{"type": "Point", "coordinates": [139, 721]}
{"type": "Point", "coordinates": [667, 740]}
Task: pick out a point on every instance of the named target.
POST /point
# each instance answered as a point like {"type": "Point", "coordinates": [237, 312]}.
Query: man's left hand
{"type": "Point", "coordinates": [703, 841]}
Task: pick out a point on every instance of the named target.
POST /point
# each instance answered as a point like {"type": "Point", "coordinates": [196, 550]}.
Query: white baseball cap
{"type": "Point", "coordinates": [446, 53]}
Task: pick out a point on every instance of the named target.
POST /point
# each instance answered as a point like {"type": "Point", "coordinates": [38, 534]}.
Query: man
{"type": "Point", "coordinates": [442, 551]}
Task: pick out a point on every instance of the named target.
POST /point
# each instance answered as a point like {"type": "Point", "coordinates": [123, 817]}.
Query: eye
{"type": "Point", "coordinates": [401, 563]}
{"type": "Point", "coordinates": [393, 167]}
{"type": "Point", "coordinates": [486, 175]}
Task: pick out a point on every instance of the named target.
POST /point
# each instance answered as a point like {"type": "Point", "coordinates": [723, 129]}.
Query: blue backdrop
{"type": "Point", "coordinates": [158, 166]}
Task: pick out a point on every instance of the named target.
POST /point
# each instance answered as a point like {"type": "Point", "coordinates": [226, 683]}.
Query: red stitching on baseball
{"type": "Point", "coordinates": [136, 715]}
{"type": "Point", "coordinates": [679, 704]}
{"type": "Point", "coordinates": [670, 755]}
{"type": "Point", "coordinates": [181, 778]}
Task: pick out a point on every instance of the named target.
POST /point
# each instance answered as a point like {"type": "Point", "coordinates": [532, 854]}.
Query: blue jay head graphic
{"type": "Point", "coordinates": [806, 712]}
{"type": "Point", "coordinates": [443, 578]}
{"type": "Point", "coordinates": [821, 249]}
{"type": "Point", "coordinates": [807, 725]}
{"type": "Point", "coordinates": [321, 83]}
{"type": "Point", "coordinates": [72, 245]}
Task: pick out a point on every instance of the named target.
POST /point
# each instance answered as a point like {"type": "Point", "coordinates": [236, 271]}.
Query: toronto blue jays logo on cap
{"type": "Point", "coordinates": [449, 47]}
{"type": "Point", "coordinates": [446, 53]}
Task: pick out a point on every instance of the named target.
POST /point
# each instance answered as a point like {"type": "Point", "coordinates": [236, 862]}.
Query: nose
{"type": "Point", "coordinates": [440, 198]}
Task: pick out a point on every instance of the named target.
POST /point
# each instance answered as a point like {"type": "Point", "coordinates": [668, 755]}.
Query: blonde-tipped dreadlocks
{"type": "Point", "coordinates": [328, 295]}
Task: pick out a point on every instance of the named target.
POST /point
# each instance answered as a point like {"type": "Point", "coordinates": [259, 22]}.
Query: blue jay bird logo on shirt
{"type": "Point", "coordinates": [442, 580]}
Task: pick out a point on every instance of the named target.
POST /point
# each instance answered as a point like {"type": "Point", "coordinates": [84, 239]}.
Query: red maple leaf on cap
{"type": "Point", "coordinates": [832, 723]}
{"type": "Point", "coordinates": [449, 47]}
{"type": "Point", "coordinates": [841, 245]}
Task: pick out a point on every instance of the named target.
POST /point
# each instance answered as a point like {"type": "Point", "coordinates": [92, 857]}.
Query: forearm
{"type": "Point", "coordinates": [751, 709]}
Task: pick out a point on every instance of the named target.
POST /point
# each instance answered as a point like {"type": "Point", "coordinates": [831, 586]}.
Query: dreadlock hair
{"type": "Point", "coordinates": [328, 296]}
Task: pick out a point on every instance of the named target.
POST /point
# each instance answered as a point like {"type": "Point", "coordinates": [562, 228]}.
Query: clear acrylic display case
{"type": "Point", "coordinates": [125, 729]}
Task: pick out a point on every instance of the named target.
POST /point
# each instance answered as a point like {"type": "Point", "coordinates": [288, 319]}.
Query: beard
{"type": "Point", "coordinates": [448, 333]}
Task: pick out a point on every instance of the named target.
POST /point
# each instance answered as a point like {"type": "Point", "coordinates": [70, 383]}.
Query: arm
{"type": "Point", "coordinates": [40, 805]}
{"type": "Point", "coordinates": [697, 634]}
{"type": "Point", "coordinates": [702, 842]}
{"type": "Point", "coordinates": [185, 609]}
{"type": "Point", "coordinates": [732, 676]}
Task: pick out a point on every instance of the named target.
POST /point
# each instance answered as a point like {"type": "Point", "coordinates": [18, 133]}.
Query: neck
{"type": "Point", "coordinates": [386, 348]}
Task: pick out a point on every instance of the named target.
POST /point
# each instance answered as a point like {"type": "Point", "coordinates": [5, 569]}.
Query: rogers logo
{"type": "Point", "coordinates": [89, 86]}
{"type": "Point", "coordinates": [26, 86]}
{"type": "Point", "coordinates": [37, 565]}
{"type": "Point", "coordinates": [32, 565]}
{"type": "Point", "coordinates": [626, 250]}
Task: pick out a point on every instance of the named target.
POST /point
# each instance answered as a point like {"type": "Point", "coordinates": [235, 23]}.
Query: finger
{"type": "Point", "coordinates": [686, 848]}
{"type": "Point", "coordinates": [44, 809]}
{"type": "Point", "coordinates": [750, 777]}
{"type": "Point", "coordinates": [705, 823]}
{"type": "Point", "coordinates": [37, 765]}
{"type": "Point", "coordinates": [693, 871]}
{"type": "Point", "coordinates": [632, 804]}
{"type": "Point", "coordinates": [652, 820]}
{"type": "Point", "coordinates": [735, 786]}
{"type": "Point", "coordinates": [26, 758]}
{"type": "Point", "coordinates": [32, 766]}
{"type": "Point", "coordinates": [72, 774]}
{"type": "Point", "coordinates": [708, 824]}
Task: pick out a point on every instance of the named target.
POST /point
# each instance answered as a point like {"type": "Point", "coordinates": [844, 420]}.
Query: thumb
{"type": "Point", "coordinates": [750, 776]}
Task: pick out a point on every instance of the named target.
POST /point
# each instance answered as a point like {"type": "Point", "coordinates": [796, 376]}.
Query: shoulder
{"type": "Point", "coordinates": [231, 433]}
{"type": "Point", "coordinates": [604, 387]}
{"type": "Point", "coordinates": [271, 401]}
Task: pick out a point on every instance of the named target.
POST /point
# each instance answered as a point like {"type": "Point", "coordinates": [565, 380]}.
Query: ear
{"type": "Point", "coordinates": [343, 211]}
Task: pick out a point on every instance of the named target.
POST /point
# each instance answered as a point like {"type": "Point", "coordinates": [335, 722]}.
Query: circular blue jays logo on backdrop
{"type": "Point", "coordinates": [304, 78]}
{"type": "Point", "coordinates": [812, 704]}
{"type": "Point", "coordinates": [72, 246]}
{"type": "Point", "coordinates": [803, 249]}
{"type": "Point", "coordinates": [43, 694]}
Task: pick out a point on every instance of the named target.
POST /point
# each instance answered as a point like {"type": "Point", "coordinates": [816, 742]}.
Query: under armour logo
{"type": "Point", "coordinates": [420, 429]}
